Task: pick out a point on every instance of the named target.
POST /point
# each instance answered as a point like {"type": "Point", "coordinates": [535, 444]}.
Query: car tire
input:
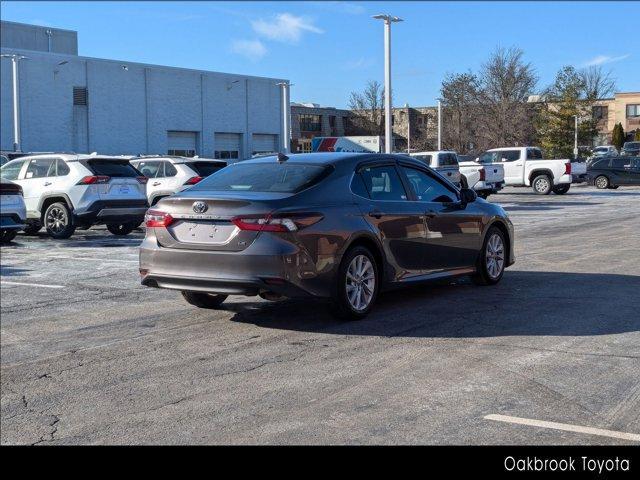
{"type": "Point", "coordinates": [542, 184]}
{"type": "Point", "coordinates": [32, 228]}
{"type": "Point", "coordinates": [58, 221]}
{"type": "Point", "coordinates": [561, 189]}
{"type": "Point", "coordinates": [7, 236]}
{"type": "Point", "coordinates": [121, 229]}
{"type": "Point", "coordinates": [602, 182]}
{"type": "Point", "coordinates": [357, 285]}
{"type": "Point", "coordinates": [492, 259]}
{"type": "Point", "coordinates": [463, 182]}
{"type": "Point", "coordinates": [204, 300]}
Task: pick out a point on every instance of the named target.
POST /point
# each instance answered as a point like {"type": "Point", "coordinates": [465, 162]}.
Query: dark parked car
{"type": "Point", "coordinates": [631, 148]}
{"type": "Point", "coordinates": [340, 226]}
{"type": "Point", "coordinates": [611, 172]}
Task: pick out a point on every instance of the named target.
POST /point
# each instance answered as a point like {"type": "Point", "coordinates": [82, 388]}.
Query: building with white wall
{"type": "Point", "coordinates": [81, 104]}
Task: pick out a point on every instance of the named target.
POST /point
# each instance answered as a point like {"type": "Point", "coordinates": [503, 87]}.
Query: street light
{"type": "Point", "coordinates": [388, 19]}
{"type": "Point", "coordinates": [16, 99]}
{"type": "Point", "coordinates": [286, 114]}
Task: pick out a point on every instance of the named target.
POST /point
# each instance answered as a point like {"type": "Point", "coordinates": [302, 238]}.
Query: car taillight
{"type": "Point", "coordinates": [157, 218]}
{"type": "Point", "coordinates": [142, 180]}
{"type": "Point", "coordinates": [93, 179]}
{"type": "Point", "coordinates": [567, 168]}
{"type": "Point", "coordinates": [193, 180]}
{"type": "Point", "coordinates": [10, 189]}
{"type": "Point", "coordinates": [483, 174]}
{"type": "Point", "coordinates": [277, 223]}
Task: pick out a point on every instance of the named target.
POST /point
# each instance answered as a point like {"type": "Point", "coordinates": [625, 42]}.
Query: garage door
{"type": "Point", "coordinates": [227, 145]}
{"type": "Point", "coordinates": [182, 143]}
{"type": "Point", "coordinates": [264, 143]}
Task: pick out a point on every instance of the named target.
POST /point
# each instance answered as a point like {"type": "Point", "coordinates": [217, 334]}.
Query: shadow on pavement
{"type": "Point", "coordinates": [524, 303]}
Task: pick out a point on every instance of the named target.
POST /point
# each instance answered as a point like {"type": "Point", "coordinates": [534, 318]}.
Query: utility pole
{"type": "Point", "coordinates": [16, 99]}
{"type": "Point", "coordinates": [575, 139]}
{"type": "Point", "coordinates": [408, 128]}
{"type": "Point", "coordinates": [286, 116]}
{"type": "Point", "coordinates": [439, 125]}
{"type": "Point", "coordinates": [388, 131]}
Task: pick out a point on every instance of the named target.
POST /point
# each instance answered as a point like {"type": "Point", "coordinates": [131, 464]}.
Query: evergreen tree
{"type": "Point", "coordinates": [617, 137]}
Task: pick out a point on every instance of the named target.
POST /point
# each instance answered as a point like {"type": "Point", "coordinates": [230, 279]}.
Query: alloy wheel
{"type": "Point", "coordinates": [601, 182]}
{"type": "Point", "coordinates": [360, 282]}
{"type": "Point", "coordinates": [57, 220]}
{"type": "Point", "coordinates": [494, 256]}
{"type": "Point", "coordinates": [542, 185]}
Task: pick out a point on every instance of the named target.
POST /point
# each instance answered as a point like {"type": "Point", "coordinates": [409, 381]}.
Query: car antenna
{"type": "Point", "coordinates": [282, 158]}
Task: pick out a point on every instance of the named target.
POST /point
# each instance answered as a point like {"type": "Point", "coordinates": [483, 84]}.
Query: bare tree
{"type": "Point", "coordinates": [367, 107]}
{"type": "Point", "coordinates": [597, 83]}
{"type": "Point", "coordinates": [505, 83]}
{"type": "Point", "coordinates": [459, 97]}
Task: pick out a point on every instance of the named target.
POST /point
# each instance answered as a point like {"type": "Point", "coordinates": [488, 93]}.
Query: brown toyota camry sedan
{"type": "Point", "coordinates": [339, 226]}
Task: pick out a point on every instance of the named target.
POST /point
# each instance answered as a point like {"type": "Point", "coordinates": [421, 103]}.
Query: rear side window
{"type": "Point", "coordinates": [11, 170]}
{"type": "Point", "coordinates": [383, 183]}
{"type": "Point", "coordinates": [41, 167]}
{"type": "Point", "coordinates": [169, 170]}
{"type": "Point", "coordinates": [204, 169]}
{"type": "Point", "coordinates": [62, 168]}
{"type": "Point", "coordinates": [358, 187]}
{"type": "Point", "coordinates": [534, 154]}
{"type": "Point", "coordinates": [264, 177]}
{"type": "Point", "coordinates": [150, 169]}
{"type": "Point", "coordinates": [509, 155]}
{"type": "Point", "coordinates": [112, 168]}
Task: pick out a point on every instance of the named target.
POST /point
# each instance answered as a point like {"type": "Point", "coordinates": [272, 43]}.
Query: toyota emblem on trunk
{"type": "Point", "coordinates": [199, 207]}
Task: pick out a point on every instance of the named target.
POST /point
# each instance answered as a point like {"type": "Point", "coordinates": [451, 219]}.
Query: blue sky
{"type": "Point", "coordinates": [328, 49]}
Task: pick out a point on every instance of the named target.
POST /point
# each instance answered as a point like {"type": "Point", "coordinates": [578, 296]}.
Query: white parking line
{"type": "Point", "coordinates": [564, 426]}
{"type": "Point", "coordinates": [30, 284]}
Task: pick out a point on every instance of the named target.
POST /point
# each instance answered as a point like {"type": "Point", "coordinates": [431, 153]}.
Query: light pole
{"type": "Point", "coordinates": [575, 139]}
{"type": "Point", "coordinates": [286, 114]}
{"type": "Point", "coordinates": [408, 128]}
{"type": "Point", "coordinates": [439, 125]}
{"type": "Point", "coordinates": [388, 133]}
{"type": "Point", "coordinates": [16, 99]}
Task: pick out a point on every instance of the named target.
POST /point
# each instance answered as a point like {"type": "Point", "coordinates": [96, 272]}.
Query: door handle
{"type": "Point", "coordinates": [376, 214]}
{"type": "Point", "coordinates": [155, 184]}
{"type": "Point", "coordinates": [518, 164]}
{"type": "Point", "coordinates": [46, 184]}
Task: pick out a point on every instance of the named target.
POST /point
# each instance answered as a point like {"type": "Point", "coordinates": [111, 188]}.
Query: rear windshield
{"type": "Point", "coordinates": [425, 158]}
{"type": "Point", "coordinates": [204, 169]}
{"type": "Point", "coordinates": [264, 177]}
{"type": "Point", "coordinates": [112, 168]}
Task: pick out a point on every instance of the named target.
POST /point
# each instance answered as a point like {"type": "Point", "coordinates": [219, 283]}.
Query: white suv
{"type": "Point", "coordinates": [12, 210]}
{"type": "Point", "coordinates": [67, 191]}
{"type": "Point", "coordinates": [168, 175]}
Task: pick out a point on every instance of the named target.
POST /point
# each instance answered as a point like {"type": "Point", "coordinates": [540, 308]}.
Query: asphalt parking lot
{"type": "Point", "coordinates": [90, 356]}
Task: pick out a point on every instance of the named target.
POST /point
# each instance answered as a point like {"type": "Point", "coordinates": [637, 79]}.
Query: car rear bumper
{"type": "Point", "coordinates": [288, 271]}
{"type": "Point", "coordinates": [11, 221]}
{"type": "Point", "coordinates": [493, 187]}
{"type": "Point", "coordinates": [113, 211]}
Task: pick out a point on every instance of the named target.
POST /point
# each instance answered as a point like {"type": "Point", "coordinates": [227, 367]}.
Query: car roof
{"type": "Point", "coordinates": [176, 159]}
{"type": "Point", "coordinates": [73, 157]}
{"type": "Point", "coordinates": [433, 152]}
{"type": "Point", "coordinates": [318, 158]}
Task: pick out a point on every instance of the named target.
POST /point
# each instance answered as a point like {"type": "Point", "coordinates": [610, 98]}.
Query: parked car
{"type": "Point", "coordinates": [525, 166]}
{"type": "Point", "coordinates": [3, 160]}
{"type": "Point", "coordinates": [444, 161]}
{"type": "Point", "coordinates": [63, 192]}
{"type": "Point", "coordinates": [485, 179]}
{"type": "Point", "coordinates": [168, 175]}
{"type": "Point", "coordinates": [13, 213]}
{"type": "Point", "coordinates": [604, 150]}
{"type": "Point", "coordinates": [631, 149]}
{"type": "Point", "coordinates": [340, 226]}
{"type": "Point", "coordinates": [611, 172]}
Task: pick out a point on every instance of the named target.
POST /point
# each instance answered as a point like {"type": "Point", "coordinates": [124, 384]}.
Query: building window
{"type": "Point", "coordinates": [80, 95]}
{"type": "Point", "coordinates": [226, 154]}
{"type": "Point", "coordinates": [181, 153]}
{"type": "Point", "coordinates": [633, 110]}
{"type": "Point", "coordinates": [310, 123]}
{"type": "Point", "coordinates": [600, 112]}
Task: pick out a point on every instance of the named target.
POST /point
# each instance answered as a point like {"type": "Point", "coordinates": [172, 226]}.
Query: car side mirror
{"type": "Point", "coordinates": [468, 195]}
